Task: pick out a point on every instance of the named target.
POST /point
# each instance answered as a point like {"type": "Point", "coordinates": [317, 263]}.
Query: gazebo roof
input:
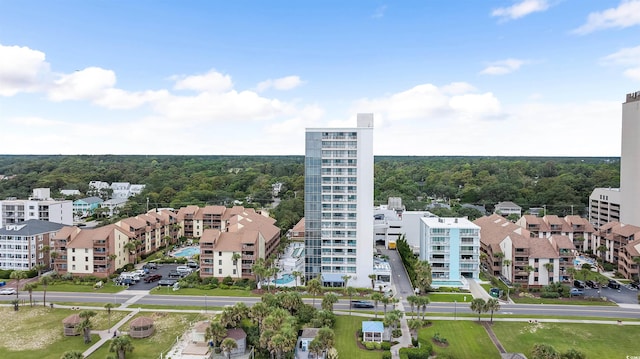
{"type": "Point", "coordinates": [73, 319]}
{"type": "Point", "coordinates": [140, 322]}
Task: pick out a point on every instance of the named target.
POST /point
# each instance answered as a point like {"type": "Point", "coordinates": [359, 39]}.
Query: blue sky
{"type": "Point", "coordinates": [524, 77]}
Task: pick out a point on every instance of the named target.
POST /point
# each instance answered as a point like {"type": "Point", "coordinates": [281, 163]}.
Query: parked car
{"type": "Point", "coordinates": [578, 284]}
{"type": "Point", "coordinates": [613, 284]}
{"type": "Point", "coordinates": [150, 265]}
{"type": "Point", "coordinates": [592, 284]}
{"type": "Point", "coordinates": [361, 304]}
{"type": "Point", "coordinates": [7, 291]}
{"type": "Point", "coordinates": [167, 282]}
{"type": "Point", "coordinates": [153, 278]}
{"type": "Point", "coordinates": [635, 285]}
{"type": "Point", "coordinates": [576, 291]}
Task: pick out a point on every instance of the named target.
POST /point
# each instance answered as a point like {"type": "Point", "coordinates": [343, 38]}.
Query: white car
{"type": "Point", "coordinates": [7, 291]}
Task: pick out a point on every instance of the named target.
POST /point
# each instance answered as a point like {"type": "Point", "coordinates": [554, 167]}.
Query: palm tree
{"type": "Point", "coordinates": [273, 272]}
{"type": "Point", "coordinates": [228, 345]}
{"type": "Point", "coordinates": [314, 287]}
{"type": "Point", "coordinates": [414, 325]}
{"type": "Point", "coordinates": [423, 276]}
{"type": "Point", "coordinates": [18, 275]}
{"type": "Point", "coordinates": [478, 305]}
{"type": "Point", "coordinates": [112, 258]}
{"type": "Point", "coordinates": [315, 348]}
{"type": "Point", "coordinates": [603, 252]}
{"type": "Point", "coordinates": [385, 301]}
{"type": "Point", "coordinates": [376, 297]}
{"type": "Point", "coordinates": [72, 354]}
{"type": "Point", "coordinates": [572, 271]}
{"type": "Point", "coordinates": [259, 270]}
{"type": "Point", "coordinates": [296, 274]}
{"type": "Point", "coordinates": [121, 345]}
{"type": "Point", "coordinates": [492, 305]}
{"type": "Point", "coordinates": [351, 291]}
{"type": "Point", "coordinates": [373, 281]}
{"type": "Point", "coordinates": [216, 332]}
{"type": "Point", "coordinates": [53, 255]}
{"type": "Point", "coordinates": [423, 301]}
{"type": "Point", "coordinates": [507, 264]}
{"type": "Point", "coordinates": [328, 301]}
{"type": "Point", "coordinates": [549, 267]}
{"type": "Point", "coordinates": [108, 307]}
{"type": "Point", "coordinates": [30, 287]}
{"type": "Point", "coordinates": [85, 326]}
{"type": "Point", "coordinates": [528, 269]}
{"type": "Point", "coordinates": [258, 312]}
{"type": "Point", "coordinates": [39, 268]}
{"type": "Point", "coordinates": [46, 280]}
{"type": "Point", "coordinates": [346, 278]}
{"type": "Point", "coordinates": [326, 337]}
{"type": "Point", "coordinates": [412, 299]}
{"type": "Point", "coordinates": [235, 258]}
{"type": "Point", "coordinates": [131, 247]}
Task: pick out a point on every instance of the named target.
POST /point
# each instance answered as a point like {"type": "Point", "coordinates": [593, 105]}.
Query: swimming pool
{"type": "Point", "coordinates": [446, 283]}
{"type": "Point", "coordinates": [286, 278]}
{"type": "Point", "coordinates": [187, 252]}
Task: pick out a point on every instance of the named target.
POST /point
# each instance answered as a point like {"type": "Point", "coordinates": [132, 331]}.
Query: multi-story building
{"type": "Point", "coordinates": [97, 251]}
{"type": "Point", "coordinates": [86, 206]}
{"type": "Point", "coordinates": [339, 203]}
{"type": "Point", "coordinates": [516, 254]}
{"type": "Point", "coordinates": [629, 260]}
{"type": "Point", "coordinates": [452, 247]}
{"type": "Point", "coordinates": [24, 245]}
{"type": "Point", "coordinates": [630, 161]}
{"type": "Point", "coordinates": [604, 206]}
{"type": "Point", "coordinates": [611, 237]}
{"type": "Point", "coordinates": [21, 210]}
{"type": "Point", "coordinates": [113, 205]}
{"type": "Point", "coordinates": [576, 228]}
{"type": "Point", "coordinates": [507, 208]}
{"type": "Point", "coordinates": [393, 224]}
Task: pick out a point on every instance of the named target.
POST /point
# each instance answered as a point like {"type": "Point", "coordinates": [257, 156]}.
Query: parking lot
{"type": "Point", "coordinates": [624, 295]}
{"type": "Point", "coordinates": [163, 270]}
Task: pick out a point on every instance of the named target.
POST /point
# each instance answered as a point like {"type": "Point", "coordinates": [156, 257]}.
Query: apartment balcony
{"type": "Point", "coordinates": [248, 257]}
{"type": "Point", "coordinates": [98, 262]}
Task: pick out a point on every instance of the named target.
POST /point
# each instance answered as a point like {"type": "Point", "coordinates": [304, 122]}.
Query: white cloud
{"type": "Point", "coordinates": [503, 67]}
{"type": "Point", "coordinates": [628, 57]}
{"type": "Point", "coordinates": [283, 83]}
{"type": "Point", "coordinates": [86, 84]}
{"type": "Point", "coordinates": [625, 15]}
{"type": "Point", "coordinates": [520, 9]}
{"type": "Point", "coordinates": [379, 12]}
{"type": "Point", "coordinates": [21, 70]}
{"type": "Point", "coordinates": [212, 81]}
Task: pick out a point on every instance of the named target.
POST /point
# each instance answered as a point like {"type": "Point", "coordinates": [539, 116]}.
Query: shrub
{"type": "Point", "coordinates": [378, 346]}
{"type": "Point", "coordinates": [417, 353]}
{"type": "Point", "coordinates": [223, 286]}
{"type": "Point", "coordinates": [397, 333]}
{"type": "Point", "coordinates": [415, 342]}
{"type": "Point", "coordinates": [386, 355]}
{"type": "Point", "coordinates": [549, 295]}
{"type": "Point", "coordinates": [228, 281]}
{"type": "Point", "coordinates": [385, 346]}
{"type": "Point", "coordinates": [369, 345]}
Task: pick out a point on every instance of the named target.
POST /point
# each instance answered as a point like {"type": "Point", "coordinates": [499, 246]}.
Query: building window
{"type": "Point", "coordinates": [219, 254]}
{"type": "Point", "coordinates": [86, 250]}
{"type": "Point", "coordinates": [234, 272]}
{"type": "Point", "coordinates": [73, 258]}
{"type": "Point", "coordinates": [73, 267]}
{"type": "Point", "coordinates": [219, 270]}
{"type": "Point", "coordinates": [86, 259]}
{"type": "Point", "coordinates": [220, 262]}
{"type": "Point", "coordinates": [86, 267]}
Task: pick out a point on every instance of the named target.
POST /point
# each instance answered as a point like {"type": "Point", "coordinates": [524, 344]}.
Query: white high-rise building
{"type": "Point", "coordinates": [339, 203]}
{"type": "Point", "coordinates": [630, 161]}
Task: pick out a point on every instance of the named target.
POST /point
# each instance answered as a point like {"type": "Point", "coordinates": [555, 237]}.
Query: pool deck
{"type": "Point", "coordinates": [173, 254]}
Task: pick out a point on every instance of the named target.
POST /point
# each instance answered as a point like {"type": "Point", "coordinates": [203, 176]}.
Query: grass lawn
{"type": "Point", "coordinates": [210, 292]}
{"type": "Point", "coordinates": [70, 287]}
{"type": "Point", "coordinates": [36, 333]}
{"type": "Point", "coordinates": [345, 331]}
{"type": "Point", "coordinates": [183, 307]}
{"type": "Point", "coordinates": [562, 301]}
{"type": "Point", "coordinates": [594, 340]}
{"type": "Point", "coordinates": [168, 327]}
{"type": "Point", "coordinates": [466, 339]}
{"type": "Point", "coordinates": [450, 297]}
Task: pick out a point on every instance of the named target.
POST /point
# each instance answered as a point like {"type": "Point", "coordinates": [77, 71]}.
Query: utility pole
{"type": "Point", "coordinates": [147, 204]}
{"type": "Point", "coordinates": [572, 210]}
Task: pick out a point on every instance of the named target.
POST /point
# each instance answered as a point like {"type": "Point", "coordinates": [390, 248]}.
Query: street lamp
{"type": "Point", "coordinates": [205, 303]}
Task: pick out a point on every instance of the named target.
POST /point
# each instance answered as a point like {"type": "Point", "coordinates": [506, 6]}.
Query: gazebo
{"type": "Point", "coordinates": [141, 327]}
{"type": "Point", "coordinates": [70, 323]}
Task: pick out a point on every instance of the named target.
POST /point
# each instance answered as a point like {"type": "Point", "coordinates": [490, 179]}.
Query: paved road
{"type": "Point", "coordinates": [400, 278]}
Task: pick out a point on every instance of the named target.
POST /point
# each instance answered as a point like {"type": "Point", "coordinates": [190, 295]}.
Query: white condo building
{"type": "Point", "coordinates": [38, 206]}
{"type": "Point", "coordinates": [339, 203]}
{"type": "Point", "coordinates": [630, 161]}
{"type": "Point", "coordinates": [604, 206]}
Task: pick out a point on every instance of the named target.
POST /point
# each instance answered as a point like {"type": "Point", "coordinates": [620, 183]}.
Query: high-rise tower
{"type": "Point", "coordinates": [630, 161]}
{"type": "Point", "coordinates": [338, 196]}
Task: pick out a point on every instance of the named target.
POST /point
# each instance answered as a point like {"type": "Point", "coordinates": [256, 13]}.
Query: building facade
{"type": "Point", "coordinates": [24, 245]}
{"type": "Point", "coordinates": [630, 160]}
{"type": "Point", "coordinates": [21, 210]}
{"type": "Point", "coordinates": [451, 246]}
{"type": "Point", "coordinates": [604, 206]}
{"type": "Point", "coordinates": [339, 203]}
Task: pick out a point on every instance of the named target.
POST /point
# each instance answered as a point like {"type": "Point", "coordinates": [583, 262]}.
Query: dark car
{"type": "Point", "coordinates": [153, 278]}
{"type": "Point", "coordinates": [591, 284]}
{"type": "Point", "coordinates": [613, 284]}
{"type": "Point", "coordinates": [361, 304]}
{"type": "Point", "coordinates": [635, 285]}
{"type": "Point", "coordinates": [167, 282]}
{"type": "Point", "coordinates": [578, 284]}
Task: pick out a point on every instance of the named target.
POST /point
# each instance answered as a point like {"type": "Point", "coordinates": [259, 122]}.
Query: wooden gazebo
{"type": "Point", "coordinates": [70, 323]}
{"type": "Point", "coordinates": [141, 327]}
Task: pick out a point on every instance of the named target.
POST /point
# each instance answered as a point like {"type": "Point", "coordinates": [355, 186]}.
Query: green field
{"type": "Point", "coordinates": [595, 340]}
{"type": "Point", "coordinates": [467, 339]}
{"type": "Point", "coordinates": [345, 331]}
{"type": "Point", "coordinates": [450, 297]}
{"type": "Point", "coordinates": [81, 288]}
{"type": "Point", "coordinates": [202, 292]}
{"type": "Point", "coordinates": [36, 333]}
{"type": "Point", "coordinates": [168, 327]}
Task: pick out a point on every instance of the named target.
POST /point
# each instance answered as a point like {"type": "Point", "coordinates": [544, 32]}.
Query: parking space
{"type": "Point", "coordinates": [163, 270]}
{"type": "Point", "coordinates": [623, 295]}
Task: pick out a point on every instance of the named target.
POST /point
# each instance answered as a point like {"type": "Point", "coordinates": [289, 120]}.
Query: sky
{"type": "Point", "coordinates": [463, 78]}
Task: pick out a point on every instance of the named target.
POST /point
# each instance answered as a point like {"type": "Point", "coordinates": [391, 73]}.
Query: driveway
{"type": "Point", "coordinates": [163, 269]}
{"type": "Point", "coordinates": [400, 279]}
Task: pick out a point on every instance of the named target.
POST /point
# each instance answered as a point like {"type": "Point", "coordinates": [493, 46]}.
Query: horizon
{"type": "Point", "coordinates": [532, 78]}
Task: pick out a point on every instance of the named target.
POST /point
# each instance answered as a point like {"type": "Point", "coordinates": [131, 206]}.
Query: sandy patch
{"type": "Point", "coordinates": [25, 321]}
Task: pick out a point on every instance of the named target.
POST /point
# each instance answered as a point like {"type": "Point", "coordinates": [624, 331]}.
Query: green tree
{"type": "Point", "coordinates": [412, 300]}
{"type": "Point", "coordinates": [345, 279]}
{"type": "Point", "coordinates": [602, 249]}
{"type": "Point", "coordinates": [328, 301]}
{"type": "Point", "coordinates": [29, 287]}
{"type": "Point", "coordinates": [573, 354]}
{"type": "Point", "coordinates": [121, 346]}
{"type": "Point", "coordinates": [236, 262]}
{"type": "Point", "coordinates": [216, 332]}
{"type": "Point", "coordinates": [414, 325]}
{"type": "Point", "coordinates": [72, 354]}
{"type": "Point", "coordinates": [297, 275]}
{"type": "Point", "coordinates": [544, 351]}
{"type": "Point", "coordinates": [506, 263]}
{"type": "Point", "coordinates": [350, 292]}
{"type": "Point", "coordinates": [18, 275]}
{"type": "Point", "coordinates": [228, 345]}
{"type": "Point", "coordinates": [314, 287]}
{"type": "Point", "coordinates": [528, 269]}
{"type": "Point", "coordinates": [377, 298]}
{"type": "Point", "coordinates": [423, 276]}
{"type": "Point", "coordinates": [108, 307]}
{"type": "Point", "coordinates": [45, 281]}
{"type": "Point", "coordinates": [373, 281]}
{"type": "Point", "coordinates": [549, 267]}
{"type": "Point", "coordinates": [492, 305]}
{"type": "Point", "coordinates": [479, 306]}
{"type": "Point", "coordinates": [85, 325]}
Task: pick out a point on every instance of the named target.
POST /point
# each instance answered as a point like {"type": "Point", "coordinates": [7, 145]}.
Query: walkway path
{"type": "Point", "coordinates": [106, 335]}
{"type": "Point", "coordinates": [492, 336]}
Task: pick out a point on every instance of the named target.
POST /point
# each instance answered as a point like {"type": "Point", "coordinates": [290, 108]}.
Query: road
{"type": "Point", "coordinates": [517, 309]}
